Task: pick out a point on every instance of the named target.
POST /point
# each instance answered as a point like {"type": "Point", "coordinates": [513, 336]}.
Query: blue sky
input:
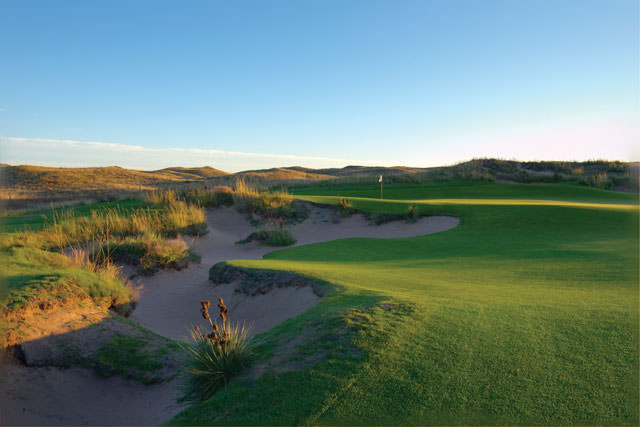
{"type": "Point", "coordinates": [248, 84]}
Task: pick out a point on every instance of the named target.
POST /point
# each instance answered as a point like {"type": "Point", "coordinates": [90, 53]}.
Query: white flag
{"type": "Point", "coordinates": [380, 179]}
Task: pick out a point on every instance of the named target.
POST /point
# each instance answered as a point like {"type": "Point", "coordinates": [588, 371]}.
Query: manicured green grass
{"type": "Point", "coordinates": [462, 190]}
{"type": "Point", "coordinates": [521, 315]}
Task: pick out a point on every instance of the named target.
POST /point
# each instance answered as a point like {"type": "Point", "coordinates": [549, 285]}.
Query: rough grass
{"type": "Point", "coordinates": [37, 276]}
{"type": "Point", "coordinates": [271, 237]}
{"type": "Point", "coordinates": [149, 252]}
{"type": "Point", "coordinates": [522, 315]}
{"type": "Point", "coordinates": [34, 281]}
{"type": "Point", "coordinates": [273, 205]}
{"type": "Point", "coordinates": [64, 228]}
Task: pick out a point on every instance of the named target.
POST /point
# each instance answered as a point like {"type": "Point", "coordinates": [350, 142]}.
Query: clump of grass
{"type": "Point", "coordinates": [273, 204]}
{"type": "Point", "coordinates": [245, 197]}
{"type": "Point", "coordinates": [150, 253]}
{"type": "Point", "coordinates": [271, 237]}
{"type": "Point", "coordinates": [344, 208]}
{"type": "Point", "coordinates": [219, 195]}
{"type": "Point", "coordinates": [413, 213]}
{"type": "Point", "coordinates": [78, 258]}
{"type": "Point", "coordinates": [157, 198]}
{"type": "Point", "coordinates": [216, 356]}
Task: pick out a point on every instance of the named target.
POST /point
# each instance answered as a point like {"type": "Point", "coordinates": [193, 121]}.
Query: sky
{"type": "Point", "coordinates": [240, 85]}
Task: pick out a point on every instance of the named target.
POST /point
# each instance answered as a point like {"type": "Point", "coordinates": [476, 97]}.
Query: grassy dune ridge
{"type": "Point", "coordinates": [522, 315]}
{"type": "Point", "coordinates": [65, 257]}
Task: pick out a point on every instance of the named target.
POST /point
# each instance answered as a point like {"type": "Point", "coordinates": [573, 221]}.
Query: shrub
{"type": "Point", "coordinates": [216, 356]}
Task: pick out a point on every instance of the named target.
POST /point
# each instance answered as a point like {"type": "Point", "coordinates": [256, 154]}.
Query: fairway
{"type": "Point", "coordinates": [525, 314]}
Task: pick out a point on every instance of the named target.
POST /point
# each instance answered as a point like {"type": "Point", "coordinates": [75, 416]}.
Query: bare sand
{"type": "Point", "coordinates": [169, 306]}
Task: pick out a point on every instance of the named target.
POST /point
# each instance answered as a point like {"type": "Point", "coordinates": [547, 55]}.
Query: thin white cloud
{"type": "Point", "coordinates": [67, 152]}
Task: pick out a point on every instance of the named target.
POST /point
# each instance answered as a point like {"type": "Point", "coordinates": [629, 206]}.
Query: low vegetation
{"type": "Point", "coordinates": [149, 252]}
{"type": "Point", "coordinates": [344, 207]}
{"type": "Point", "coordinates": [217, 356]}
{"type": "Point", "coordinates": [271, 237]}
{"type": "Point", "coordinates": [413, 213]}
{"type": "Point", "coordinates": [271, 205]}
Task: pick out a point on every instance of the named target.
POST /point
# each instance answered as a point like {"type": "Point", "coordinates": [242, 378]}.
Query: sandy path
{"type": "Point", "coordinates": [169, 305]}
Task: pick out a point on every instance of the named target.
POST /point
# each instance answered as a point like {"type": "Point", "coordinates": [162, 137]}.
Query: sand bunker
{"type": "Point", "coordinates": [169, 306]}
{"type": "Point", "coordinates": [170, 301]}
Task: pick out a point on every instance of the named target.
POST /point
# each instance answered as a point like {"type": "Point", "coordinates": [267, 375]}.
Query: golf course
{"type": "Point", "coordinates": [524, 311]}
{"type": "Point", "coordinates": [525, 314]}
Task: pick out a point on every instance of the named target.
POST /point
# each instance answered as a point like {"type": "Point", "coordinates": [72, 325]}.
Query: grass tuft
{"type": "Point", "coordinates": [150, 253]}
{"type": "Point", "coordinates": [272, 237]}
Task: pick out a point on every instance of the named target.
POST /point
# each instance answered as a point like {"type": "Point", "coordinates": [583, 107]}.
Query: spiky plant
{"type": "Point", "coordinates": [216, 356]}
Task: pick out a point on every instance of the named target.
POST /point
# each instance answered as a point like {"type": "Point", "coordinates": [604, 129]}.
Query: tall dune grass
{"type": "Point", "coordinates": [66, 229]}
{"type": "Point", "coordinates": [268, 204]}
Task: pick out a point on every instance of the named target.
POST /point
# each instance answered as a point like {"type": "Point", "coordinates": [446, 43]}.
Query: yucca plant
{"type": "Point", "coordinates": [216, 356]}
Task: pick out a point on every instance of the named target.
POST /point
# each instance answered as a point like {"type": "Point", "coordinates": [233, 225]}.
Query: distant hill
{"type": "Point", "coordinates": [38, 178]}
{"type": "Point", "coordinates": [285, 174]}
{"type": "Point", "coordinates": [22, 186]}
{"type": "Point", "coordinates": [193, 173]}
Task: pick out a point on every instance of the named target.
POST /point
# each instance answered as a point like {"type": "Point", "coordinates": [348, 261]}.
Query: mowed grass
{"type": "Point", "coordinates": [470, 190]}
{"type": "Point", "coordinates": [521, 315]}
